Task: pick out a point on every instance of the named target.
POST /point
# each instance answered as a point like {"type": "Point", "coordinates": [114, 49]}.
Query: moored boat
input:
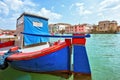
{"type": "Point", "coordinates": [34, 53]}
{"type": "Point", "coordinates": [6, 41]}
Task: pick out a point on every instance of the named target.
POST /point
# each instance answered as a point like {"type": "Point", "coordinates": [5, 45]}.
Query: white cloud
{"type": "Point", "coordinates": [109, 9]}
{"type": "Point", "coordinates": [108, 4]}
{"type": "Point", "coordinates": [10, 10]}
{"type": "Point", "coordinates": [101, 16]}
{"type": "Point", "coordinates": [80, 9]}
{"type": "Point", "coordinates": [62, 5]}
{"type": "Point", "coordinates": [9, 23]}
{"type": "Point", "coordinates": [100, 10]}
{"type": "Point", "coordinates": [29, 3]}
{"type": "Point", "coordinates": [79, 4]}
{"type": "Point", "coordinates": [18, 5]}
{"type": "Point", "coordinates": [14, 4]}
{"type": "Point", "coordinates": [51, 15]}
{"type": "Point", "coordinates": [3, 8]}
{"type": "Point", "coordinates": [117, 7]}
{"type": "Point", "coordinates": [13, 8]}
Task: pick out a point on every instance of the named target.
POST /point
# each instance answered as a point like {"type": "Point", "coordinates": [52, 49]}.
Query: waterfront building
{"type": "Point", "coordinates": [57, 28]}
{"type": "Point", "coordinates": [1, 31]}
{"type": "Point", "coordinates": [7, 32]}
{"type": "Point", "coordinates": [94, 28]}
{"type": "Point", "coordinates": [69, 29]}
{"type": "Point", "coordinates": [80, 28]}
{"type": "Point", "coordinates": [118, 29]}
{"type": "Point", "coordinates": [88, 28]}
{"type": "Point", "coordinates": [107, 26]}
{"type": "Point", "coordinates": [51, 28]}
{"type": "Point", "coordinates": [113, 26]}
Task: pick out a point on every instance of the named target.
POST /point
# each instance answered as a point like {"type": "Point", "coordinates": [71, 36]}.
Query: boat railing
{"type": "Point", "coordinates": [58, 36]}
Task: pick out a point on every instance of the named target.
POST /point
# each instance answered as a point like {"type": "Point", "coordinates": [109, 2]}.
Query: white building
{"type": "Point", "coordinates": [88, 28]}
{"type": "Point", "coordinates": [56, 28]}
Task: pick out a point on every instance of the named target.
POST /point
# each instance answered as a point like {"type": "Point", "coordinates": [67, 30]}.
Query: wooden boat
{"type": "Point", "coordinates": [36, 53]}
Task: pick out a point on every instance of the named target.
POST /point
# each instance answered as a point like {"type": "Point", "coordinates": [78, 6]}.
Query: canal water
{"type": "Point", "coordinates": [103, 53]}
{"type": "Point", "coordinates": [104, 56]}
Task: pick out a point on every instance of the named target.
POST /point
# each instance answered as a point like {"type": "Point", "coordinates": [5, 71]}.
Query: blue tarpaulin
{"type": "Point", "coordinates": [35, 25]}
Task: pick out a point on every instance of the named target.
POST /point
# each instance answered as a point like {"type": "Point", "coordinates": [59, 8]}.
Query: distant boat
{"type": "Point", "coordinates": [6, 41]}
{"type": "Point", "coordinates": [37, 54]}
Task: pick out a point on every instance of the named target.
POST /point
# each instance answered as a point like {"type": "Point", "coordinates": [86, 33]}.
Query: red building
{"type": "Point", "coordinates": [79, 28]}
{"type": "Point", "coordinates": [76, 29]}
{"type": "Point", "coordinates": [8, 32]}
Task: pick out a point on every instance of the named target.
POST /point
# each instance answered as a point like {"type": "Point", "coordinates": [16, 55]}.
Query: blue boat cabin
{"type": "Point", "coordinates": [33, 24]}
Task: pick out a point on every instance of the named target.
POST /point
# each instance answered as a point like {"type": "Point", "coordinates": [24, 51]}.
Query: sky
{"type": "Point", "coordinates": [60, 11]}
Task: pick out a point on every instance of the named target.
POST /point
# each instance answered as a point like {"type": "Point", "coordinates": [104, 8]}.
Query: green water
{"type": "Point", "coordinates": [12, 74]}
{"type": "Point", "coordinates": [104, 56]}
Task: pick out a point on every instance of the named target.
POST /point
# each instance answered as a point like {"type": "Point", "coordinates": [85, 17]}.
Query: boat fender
{"type": "Point", "coordinates": [3, 61]}
{"type": "Point", "coordinates": [4, 65]}
{"type": "Point", "coordinates": [14, 49]}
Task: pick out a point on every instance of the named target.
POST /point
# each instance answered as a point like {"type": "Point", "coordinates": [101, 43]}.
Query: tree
{"type": "Point", "coordinates": [62, 31]}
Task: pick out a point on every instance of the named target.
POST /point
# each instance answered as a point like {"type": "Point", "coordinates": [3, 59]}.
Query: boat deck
{"type": "Point", "coordinates": [30, 49]}
{"type": "Point", "coordinates": [35, 48]}
{"type": "Point", "coordinates": [5, 48]}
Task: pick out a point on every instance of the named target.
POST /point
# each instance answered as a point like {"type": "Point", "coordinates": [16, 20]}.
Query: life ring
{"type": "Point", "coordinates": [4, 65]}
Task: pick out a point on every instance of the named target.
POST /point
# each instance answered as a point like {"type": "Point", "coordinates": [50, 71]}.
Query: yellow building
{"type": "Point", "coordinates": [113, 26]}
{"type": "Point", "coordinates": [118, 29]}
{"type": "Point", "coordinates": [107, 26]}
